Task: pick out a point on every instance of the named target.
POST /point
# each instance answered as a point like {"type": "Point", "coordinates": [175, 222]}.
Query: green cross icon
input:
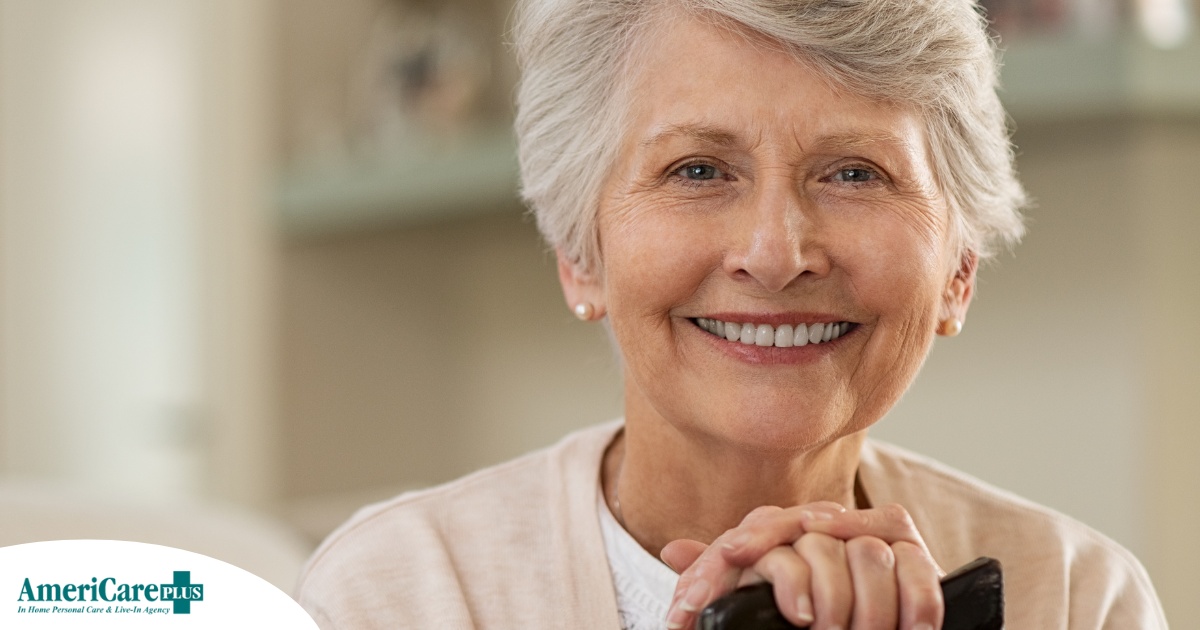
{"type": "Point", "coordinates": [183, 579]}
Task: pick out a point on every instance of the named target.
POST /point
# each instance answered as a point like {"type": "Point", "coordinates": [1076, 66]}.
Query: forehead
{"type": "Point", "coordinates": [695, 80]}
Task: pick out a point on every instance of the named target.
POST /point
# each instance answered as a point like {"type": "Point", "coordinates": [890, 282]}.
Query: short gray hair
{"type": "Point", "coordinates": [932, 55]}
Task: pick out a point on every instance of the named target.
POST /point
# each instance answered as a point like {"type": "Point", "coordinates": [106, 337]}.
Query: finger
{"type": "Point", "coordinates": [791, 581]}
{"type": "Point", "coordinates": [681, 554]}
{"type": "Point", "coordinates": [711, 575]}
{"type": "Point", "coordinates": [921, 604]}
{"type": "Point", "coordinates": [698, 595]}
{"type": "Point", "coordinates": [682, 613]}
{"type": "Point", "coordinates": [873, 573]}
{"type": "Point", "coordinates": [759, 513]}
{"type": "Point", "coordinates": [769, 529]}
{"type": "Point", "coordinates": [832, 588]}
{"type": "Point", "coordinates": [891, 523]}
{"type": "Point", "coordinates": [750, 578]}
{"type": "Point", "coordinates": [708, 578]}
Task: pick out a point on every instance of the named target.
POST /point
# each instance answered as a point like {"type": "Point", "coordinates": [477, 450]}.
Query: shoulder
{"type": "Point", "coordinates": [942, 493]}
{"type": "Point", "coordinates": [1057, 569]}
{"type": "Point", "coordinates": [445, 543]}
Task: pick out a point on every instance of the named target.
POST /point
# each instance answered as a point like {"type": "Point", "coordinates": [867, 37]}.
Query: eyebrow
{"type": "Point", "coordinates": [860, 139]}
{"type": "Point", "coordinates": [703, 133]}
{"type": "Point", "coordinates": [709, 134]}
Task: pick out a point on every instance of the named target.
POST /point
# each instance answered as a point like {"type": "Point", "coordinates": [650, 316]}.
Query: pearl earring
{"type": "Point", "coordinates": [951, 327]}
{"type": "Point", "coordinates": [585, 311]}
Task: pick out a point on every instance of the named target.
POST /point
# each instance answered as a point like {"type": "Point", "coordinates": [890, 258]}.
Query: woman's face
{"type": "Point", "coordinates": [747, 191]}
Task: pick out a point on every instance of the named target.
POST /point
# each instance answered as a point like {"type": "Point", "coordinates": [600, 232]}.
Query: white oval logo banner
{"type": "Point", "coordinates": [116, 584]}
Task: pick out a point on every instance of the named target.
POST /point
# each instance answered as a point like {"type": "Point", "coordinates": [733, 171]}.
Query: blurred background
{"type": "Point", "coordinates": [261, 262]}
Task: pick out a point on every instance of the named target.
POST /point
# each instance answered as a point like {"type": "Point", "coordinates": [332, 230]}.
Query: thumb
{"type": "Point", "coordinates": [680, 554]}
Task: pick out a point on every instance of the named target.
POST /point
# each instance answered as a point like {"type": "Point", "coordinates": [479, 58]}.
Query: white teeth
{"type": "Point", "coordinates": [765, 335]}
{"type": "Point", "coordinates": [801, 337]}
{"type": "Point", "coordinates": [783, 336]}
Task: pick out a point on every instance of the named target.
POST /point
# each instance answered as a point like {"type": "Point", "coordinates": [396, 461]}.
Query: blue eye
{"type": "Point", "coordinates": [855, 175]}
{"type": "Point", "coordinates": [700, 172]}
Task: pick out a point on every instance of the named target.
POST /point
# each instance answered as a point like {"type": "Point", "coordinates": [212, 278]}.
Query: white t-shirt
{"type": "Point", "coordinates": [643, 583]}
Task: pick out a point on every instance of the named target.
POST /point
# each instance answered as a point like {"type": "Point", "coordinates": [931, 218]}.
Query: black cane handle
{"type": "Point", "coordinates": [974, 596]}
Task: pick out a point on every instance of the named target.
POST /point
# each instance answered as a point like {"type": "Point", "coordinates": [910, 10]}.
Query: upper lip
{"type": "Point", "coordinates": [775, 319]}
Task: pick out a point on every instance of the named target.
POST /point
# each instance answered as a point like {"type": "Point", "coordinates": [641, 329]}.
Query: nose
{"type": "Point", "coordinates": [775, 240]}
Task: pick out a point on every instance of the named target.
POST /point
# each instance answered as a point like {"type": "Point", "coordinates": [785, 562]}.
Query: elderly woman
{"type": "Point", "coordinates": [775, 205]}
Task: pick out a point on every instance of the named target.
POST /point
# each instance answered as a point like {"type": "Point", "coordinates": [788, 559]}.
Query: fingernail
{"type": "Point", "coordinates": [675, 617]}
{"type": "Point", "coordinates": [696, 594]}
{"type": "Point", "coordinates": [737, 541]}
{"type": "Point", "coordinates": [809, 515]}
{"type": "Point", "coordinates": [923, 626]}
{"type": "Point", "coordinates": [804, 609]}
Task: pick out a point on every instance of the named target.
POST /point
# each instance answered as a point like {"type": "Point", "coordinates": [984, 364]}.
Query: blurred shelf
{"type": "Point", "coordinates": [1047, 78]}
{"type": "Point", "coordinates": [1044, 79]}
{"type": "Point", "coordinates": [423, 183]}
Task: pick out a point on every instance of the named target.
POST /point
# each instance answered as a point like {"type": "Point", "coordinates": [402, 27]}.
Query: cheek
{"type": "Point", "coordinates": [897, 272]}
{"type": "Point", "coordinates": [654, 260]}
{"type": "Point", "coordinates": [895, 278]}
{"type": "Point", "coordinates": [896, 256]}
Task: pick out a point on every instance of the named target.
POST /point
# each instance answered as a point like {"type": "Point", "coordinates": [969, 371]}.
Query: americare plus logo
{"type": "Point", "coordinates": [107, 596]}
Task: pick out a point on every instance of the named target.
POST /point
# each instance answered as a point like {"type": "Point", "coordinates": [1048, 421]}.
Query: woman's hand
{"type": "Point", "coordinates": [830, 568]}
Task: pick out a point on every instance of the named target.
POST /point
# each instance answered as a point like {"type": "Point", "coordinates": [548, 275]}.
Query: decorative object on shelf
{"type": "Point", "coordinates": [1163, 23]}
{"type": "Point", "coordinates": [419, 138]}
{"type": "Point", "coordinates": [419, 77]}
{"type": "Point", "coordinates": [1090, 18]}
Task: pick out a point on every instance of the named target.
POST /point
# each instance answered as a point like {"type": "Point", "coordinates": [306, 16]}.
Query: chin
{"type": "Point", "coordinates": [776, 430]}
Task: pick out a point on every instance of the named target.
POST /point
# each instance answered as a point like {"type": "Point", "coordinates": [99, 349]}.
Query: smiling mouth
{"type": "Point", "coordinates": [783, 336]}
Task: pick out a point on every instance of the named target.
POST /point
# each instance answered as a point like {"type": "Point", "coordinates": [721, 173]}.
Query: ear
{"type": "Point", "coordinates": [580, 286]}
{"type": "Point", "coordinates": [959, 291]}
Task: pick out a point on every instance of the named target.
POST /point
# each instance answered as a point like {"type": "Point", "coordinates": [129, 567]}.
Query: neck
{"type": "Point", "coordinates": [665, 485]}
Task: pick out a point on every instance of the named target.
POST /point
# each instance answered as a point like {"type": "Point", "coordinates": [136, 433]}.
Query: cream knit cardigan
{"type": "Point", "coordinates": [519, 546]}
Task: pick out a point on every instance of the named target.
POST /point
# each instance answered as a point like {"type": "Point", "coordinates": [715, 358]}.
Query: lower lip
{"type": "Point", "coordinates": [771, 355]}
